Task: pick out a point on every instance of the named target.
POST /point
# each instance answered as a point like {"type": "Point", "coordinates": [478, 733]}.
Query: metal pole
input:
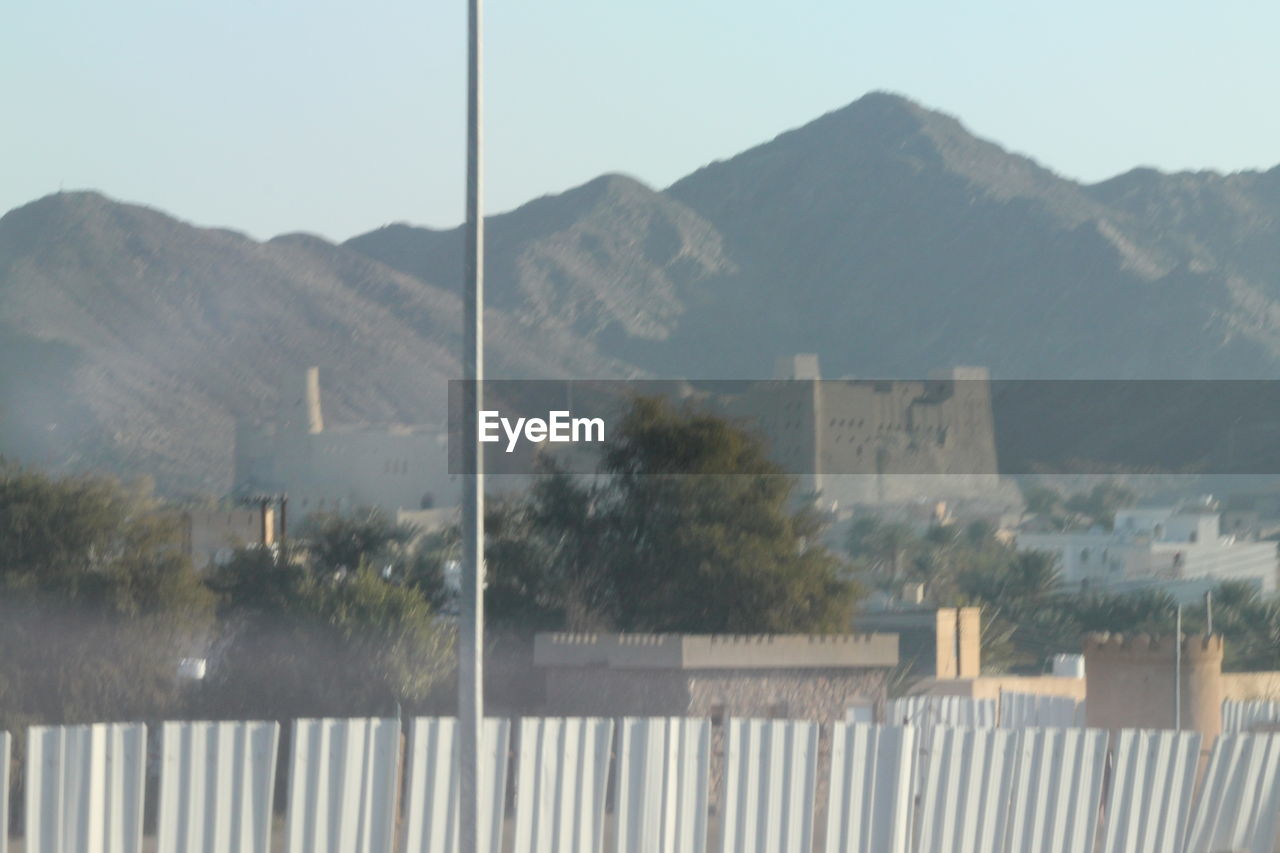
{"type": "Point", "coordinates": [471, 614]}
{"type": "Point", "coordinates": [1208, 612]}
{"type": "Point", "coordinates": [1177, 671]}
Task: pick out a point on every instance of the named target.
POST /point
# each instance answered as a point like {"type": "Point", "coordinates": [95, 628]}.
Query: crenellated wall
{"type": "Point", "coordinates": [1130, 682]}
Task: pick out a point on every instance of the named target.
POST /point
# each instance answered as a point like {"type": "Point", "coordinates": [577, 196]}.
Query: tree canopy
{"type": "Point", "coordinates": [664, 540]}
{"type": "Point", "coordinates": [97, 602]}
{"type": "Point", "coordinates": [332, 625]}
{"type": "Point", "coordinates": [1028, 614]}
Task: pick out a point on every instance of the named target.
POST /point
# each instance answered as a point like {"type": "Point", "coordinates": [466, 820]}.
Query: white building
{"type": "Point", "coordinates": [333, 469]}
{"type": "Point", "coordinates": [1163, 542]}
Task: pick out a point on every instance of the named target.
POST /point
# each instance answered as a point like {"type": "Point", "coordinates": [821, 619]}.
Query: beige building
{"type": "Point", "coordinates": [779, 676]}
{"type": "Point", "coordinates": [873, 442]}
{"type": "Point", "coordinates": [934, 642]}
{"type": "Point", "coordinates": [211, 534]}
{"type": "Point", "coordinates": [1131, 682]}
{"type": "Point", "coordinates": [326, 468]}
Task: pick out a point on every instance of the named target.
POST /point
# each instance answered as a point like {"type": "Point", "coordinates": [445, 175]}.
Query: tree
{"type": "Point", "coordinates": [1042, 500]}
{"type": "Point", "coordinates": [331, 627]}
{"type": "Point", "coordinates": [548, 567]}
{"type": "Point", "coordinates": [98, 604]}
{"type": "Point", "coordinates": [365, 536]}
{"type": "Point", "coordinates": [689, 528]}
{"type": "Point", "coordinates": [1101, 502]}
{"type": "Point", "coordinates": [887, 551]}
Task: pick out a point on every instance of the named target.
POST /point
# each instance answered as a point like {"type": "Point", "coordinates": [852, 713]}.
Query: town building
{"type": "Point", "coordinates": [772, 676]}
{"type": "Point", "coordinates": [211, 534]}
{"type": "Point", "coordinates": [331, 469]}
{"type": "Point", "coordinates": [1156, 543]}
{"type": "Point", "coordinates": [861, 442]}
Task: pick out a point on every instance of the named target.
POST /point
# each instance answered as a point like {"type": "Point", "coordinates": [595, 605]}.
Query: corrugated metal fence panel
{"type": "Point", "coordinates": [1240, 797]}
{"type": "Point", "coordinates": [941, 711]}
{"type": "Point", "coordinates": [869, 805]}
{"type": "Point", "coordinates": [563, 771]}
{"type": "Point", "coordinates": [1243, 715]}
{"type": "Point", "coordinates": [965, 789]}
{"type": "Point", "coordinates": [216, 787]}
{"type": "Point", "coordinates": [769, 780]}
{"type": "Point", "coordinates": [1027, 710]}
{"type": "Point", "coordinates": [1152, 782]}
{"type": "Point", "coordinates": [342, 786]}
{"type": "Point", "coordinates": [1057, 790]}
{"type": "Point", "coordinates": [5, 752]}
{"type": "Point", "coordinates": [431, 800]}
{"type": "Point", "coordinates": [85, 787]}
{"type": "Point", "coordinates": [662, 774]}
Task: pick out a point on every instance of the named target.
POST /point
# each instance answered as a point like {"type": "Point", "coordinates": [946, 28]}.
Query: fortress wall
{"type": "Point", "coordinates": [1130, 681]}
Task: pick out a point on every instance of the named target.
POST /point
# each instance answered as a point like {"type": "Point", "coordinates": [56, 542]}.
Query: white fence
{"type": "Point", "coordinates": [1031, 711]}
{"type": "Point", "coordinates": [85, 788]}
{"type": "Point", "coordinates": [431, 799]}
{"type": "Point", "coordinates": [771, 769]}
{"type": "Point", "coordinates": [5, 748]}
{"type": "Point", "coordinates": [1152, 782]}
{"type": "Point", "coordinates": [1245, 715]}
{"type": "Point", "coordinates": [966, 784]}
{"type": "Point", "coordinates": [893, 789]}
{"type": "Point", "coordinates": [661, 781]}
{"type": "Point", "coordinates": [869, 799]}
{"type": "Point", "coordinates": [342, 786]}
{"type": "Point", "coordinates": [216, 786]}
{"type": "Point", "coordinates": [1057, 790]}
{"type": "Point", "coordinates": [1012, 711]}
{"type": "Point", "coordinates": [1240, 798]}
{"type": "Point", "coordinates": [560, 784]}
{"type": "Point", "coordinates": [941, 711]}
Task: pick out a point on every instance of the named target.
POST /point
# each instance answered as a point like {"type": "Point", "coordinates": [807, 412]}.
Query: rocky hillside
{"type": "Point", "coordinates": [883, 236]}
{"type": "Point", "coordinates": [135, 341]}
{"type": "Point", "coordinates": [891, 240]}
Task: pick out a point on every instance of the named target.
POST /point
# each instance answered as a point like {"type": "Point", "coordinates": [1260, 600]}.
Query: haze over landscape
{"type": "Point", "coordinates": [884, 236]}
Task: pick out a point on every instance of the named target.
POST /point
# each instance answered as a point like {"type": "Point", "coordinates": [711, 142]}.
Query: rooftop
{"type": "Point", "coordinates": [716, 651]}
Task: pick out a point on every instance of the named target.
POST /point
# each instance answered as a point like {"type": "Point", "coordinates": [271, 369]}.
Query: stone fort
{"type": "Point", "coordinates": [873, 442]}
{"type": "Point", "coordinates": [851, 442]}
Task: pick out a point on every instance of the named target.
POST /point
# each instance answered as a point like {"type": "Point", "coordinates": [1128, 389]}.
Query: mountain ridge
{"type": "Point", "coordinates": [884, 236]}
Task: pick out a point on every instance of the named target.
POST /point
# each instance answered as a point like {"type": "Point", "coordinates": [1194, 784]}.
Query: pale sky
{"type": "Point", "coordinates": [270, 116]}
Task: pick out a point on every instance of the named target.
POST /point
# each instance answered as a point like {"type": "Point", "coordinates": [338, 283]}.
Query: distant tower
{"type": "Point", "coordinates": [315, 419]}
{"type": "Point", "coordinates": [798, 366]}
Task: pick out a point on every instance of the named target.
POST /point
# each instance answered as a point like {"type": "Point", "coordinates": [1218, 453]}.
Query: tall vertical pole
{"type": "Point", "coordinates": [471, 615]}
{"type": "Point", "coordinates": [1177, 671]}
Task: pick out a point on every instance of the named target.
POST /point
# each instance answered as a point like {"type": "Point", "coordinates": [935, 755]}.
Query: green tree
{"type": "Point", "coordinates": [884, 549]}
{"type": "Point", "coordinates": [98, 604]}
{"type": "Point", "coordinates": [690, 527]}
{"type": "Point", "coordinates": [1042, 500]}
{"type": "Point", "coordinates": [366, 536]}
{"type": "Point", "coordinates": [300, 637]}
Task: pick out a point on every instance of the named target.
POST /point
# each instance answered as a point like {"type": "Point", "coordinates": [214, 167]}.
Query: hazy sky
{"type": "Point", "coordinates": [281, 115]}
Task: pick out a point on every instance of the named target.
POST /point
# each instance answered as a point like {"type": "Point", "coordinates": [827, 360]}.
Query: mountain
{"type": "Point", "coordinates": [892, 241]}
{"type": "Point", "coordinates": [148, 338]}
{"type": "Point", "coordinates": [611, 260]}
{"type": "Point", "coordinates": [883, 236]}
